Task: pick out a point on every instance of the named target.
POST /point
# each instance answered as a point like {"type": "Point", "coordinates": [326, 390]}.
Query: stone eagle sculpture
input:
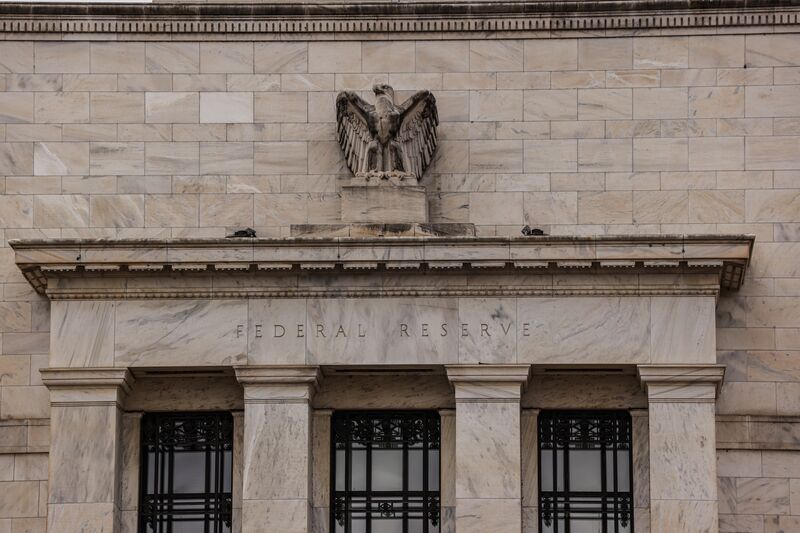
{"type": "Point", "coordinates": [387, 141]}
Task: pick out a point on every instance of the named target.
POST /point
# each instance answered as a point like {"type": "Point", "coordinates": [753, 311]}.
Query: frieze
{"type": "Point", "coordinates": [278, 20]}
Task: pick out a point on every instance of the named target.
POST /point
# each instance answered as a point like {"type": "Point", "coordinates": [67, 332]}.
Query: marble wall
{"type": "Point", "coordinates": [576, 134]}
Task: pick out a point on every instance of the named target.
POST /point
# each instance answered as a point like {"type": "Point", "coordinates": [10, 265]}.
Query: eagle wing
{"type": "Point", "coordinates": [417, 131]}
{"type": "Point", "coordinates": [355, 120]}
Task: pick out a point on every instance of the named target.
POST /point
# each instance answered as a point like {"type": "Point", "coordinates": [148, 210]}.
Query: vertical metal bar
{"type": "Point", "coordinates": [616, 422]}
{"type": "Point", "coordinates": [348, 476]}
{"type": "Point", "coordinates": [554, 500]}
{"type": "Point", "coordinates": [568, 500]}
{"type": "Point", "coordinates": [368, 498]}
{"type": "Point", "coordinates": [629, 421]}
{"type": "Point", "coordinates": [603, 480]}
{"type": "Point", "coordinates": [404, 437]}
{"type": "Point", "coordinates": [539, 466]}
{"type": "Point", "coordinates": [159, 492]}
{"type": "Point", "coordinates": [429, 421]}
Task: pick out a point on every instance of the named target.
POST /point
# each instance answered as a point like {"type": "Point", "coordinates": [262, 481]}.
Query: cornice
{"type": "Point", "coordinates": [44, 262]}
{"type": "Point", "coordinates": [284, 19]}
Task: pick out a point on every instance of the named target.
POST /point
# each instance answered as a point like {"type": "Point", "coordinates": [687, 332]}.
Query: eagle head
{"type": "Point", "coordinates": [383, 89]}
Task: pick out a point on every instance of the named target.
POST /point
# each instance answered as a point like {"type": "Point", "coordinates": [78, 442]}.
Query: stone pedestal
{"type": "Point", "coordinates": [683, 472]}
{"type": "Point", "coordinates": [488, 461]}
{"type": "Point", "coordinates": [384, 204]}
{"type": "Point", "coordinates": [277, 490]}
{"type": "Point", "coordinates": [85, 448]}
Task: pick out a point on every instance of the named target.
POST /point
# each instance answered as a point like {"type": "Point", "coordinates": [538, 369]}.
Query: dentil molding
{"type": "Point", "coordinates": [297, 19]}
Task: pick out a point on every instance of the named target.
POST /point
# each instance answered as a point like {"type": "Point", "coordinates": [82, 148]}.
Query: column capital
{"type": "Point", "coordinates": [488, 382]}
{"type": "Point", "coordinates": [277, 374]}
{"type": "Point", "coordinates": [681, 383]}
{"type": "Point", "coordinates": [488, 373]}
{"type": "Point", "coordinates": [87, 386]}
{"type": "Point", "coordinates": [278, 383]}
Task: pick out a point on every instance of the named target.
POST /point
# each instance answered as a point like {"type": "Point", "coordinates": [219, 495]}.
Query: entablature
{"type": "Point", "coordinates": [307, 267]}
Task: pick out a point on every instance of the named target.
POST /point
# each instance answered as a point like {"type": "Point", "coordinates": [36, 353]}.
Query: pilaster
{"type": "Point", "coordinates": [447, 469]}
{"type": "Point", "coordinates": [85, 448]}
{"type": "Point", "coordinates": [276, 488]}
{"type": "Point", "coordinates": [530, 470]}
{"type": "Point", "coordinates": [321, 470]}
{"type": "Point", "coordinates": [683, 473]}
{"type": "Point", "coordinates": [488, 456]}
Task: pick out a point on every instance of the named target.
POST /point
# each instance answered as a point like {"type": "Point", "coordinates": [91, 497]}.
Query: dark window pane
{"type": "Point", "coordinates": [186, 473]}
{"type": "Point", "coordinates": [588, 454]}
{"type": "Point", "coordinates": [391, 460]}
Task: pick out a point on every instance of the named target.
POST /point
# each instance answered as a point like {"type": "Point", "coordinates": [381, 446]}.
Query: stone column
{"type": "Point", "coordinates": [276, 488]}
{"type": "Point", "coordinates": [447, 469]}
{"type": "Point", "coordinates": [683, 472]}
{"type": "Point", "coordinates": [85, 448]}
{"type": "Point", "coordinates": [129, 470]}
{"type": "Point", "coordinates": [530, 470]}
{"type": "Point", "coordinates": [321, 470]}
{"type": "Point", "coordinates": [488, 462]}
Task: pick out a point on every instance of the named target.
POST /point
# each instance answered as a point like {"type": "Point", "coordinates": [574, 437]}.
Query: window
{"type": "Point", "coordinates": [585, 473]}
{"type": "Point", "coordinates": [386, 468]}
{"type": "Point", "coordinates": [186, 468]}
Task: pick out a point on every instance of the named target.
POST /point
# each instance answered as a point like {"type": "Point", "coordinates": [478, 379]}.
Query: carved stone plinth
{"type": "Point", "coordinates": [384, 204]}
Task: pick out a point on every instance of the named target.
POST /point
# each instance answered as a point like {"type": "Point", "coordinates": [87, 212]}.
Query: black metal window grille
{"type": "Point", "coordinates": [585, 472]}
{"type": "Point", "coordinates": [186, 470]}
{"type": "Point", "coordinates": [386, 472]}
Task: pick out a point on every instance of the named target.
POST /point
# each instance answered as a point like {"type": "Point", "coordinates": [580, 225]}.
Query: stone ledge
{"type": "Point", "coordinates": [44, 260]}
{"type": "Point", "coordinates": [391, 17]}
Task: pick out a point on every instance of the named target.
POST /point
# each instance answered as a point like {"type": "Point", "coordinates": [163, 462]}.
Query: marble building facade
{"type": "Point", "coordinates": [657, 145]}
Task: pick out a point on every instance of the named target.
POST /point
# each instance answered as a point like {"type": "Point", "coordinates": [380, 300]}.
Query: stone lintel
{"type": "Point", "coordinates": [278, 384]}
{"type": "Point", "coordinates": [681, 383]}
{"type": "Point", "coordinates": [486, 383]}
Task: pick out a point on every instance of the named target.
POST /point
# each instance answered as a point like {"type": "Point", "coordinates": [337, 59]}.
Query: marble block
{"type": "Point", "coordinates": [276, 451]}
{"type": "Point", "coordinates": [84, 454]}
{"type": "Point", "coordinates": [270, 516]}
{"type": "Point", "coordinates": [489, 515]}
{"type": "Point", "coordinates": [94, 346]}
{"type": "Point", "coordinates": [82, 517]}
{"type": "Point", "coordinates": [384, 204]}
{"type": "Point", "coordinates": [487, 454]}
{"type": "Point", "coordinates": [180, 333]}
{"type": "Point", "coordinates": [683, 329]}
{"type": "Point", "coordinates": [686, 516]}
{"type": "Point", "coordinates": [583, 330]}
